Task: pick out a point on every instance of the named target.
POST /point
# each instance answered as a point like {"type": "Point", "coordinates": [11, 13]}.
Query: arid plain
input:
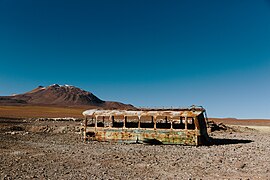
{"type": "Point", "coordinates": [53, 149]}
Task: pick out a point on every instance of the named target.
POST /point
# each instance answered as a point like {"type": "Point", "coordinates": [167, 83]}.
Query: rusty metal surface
{"type": "Point", "coordinates": [135, 135]}
{"type": "Point", "coordinates": [155, 113]}
{"type": "Point", "coordinates": [191, 132]}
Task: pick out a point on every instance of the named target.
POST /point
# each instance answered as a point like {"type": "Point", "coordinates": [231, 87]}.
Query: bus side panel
{"type": "Point", "coordinates": [133, 135]}
{"type": "Point", "coordinates": [168, 136]}
{"type": "Point", "coordinates": [119, 135]}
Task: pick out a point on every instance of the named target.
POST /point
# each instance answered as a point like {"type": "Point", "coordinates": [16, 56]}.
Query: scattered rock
{"type": "Point", "coordinates": [53, 150]}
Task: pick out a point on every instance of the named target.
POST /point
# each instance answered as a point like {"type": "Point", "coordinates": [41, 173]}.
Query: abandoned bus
{"type": "Point", "coordinates": [163, 126]}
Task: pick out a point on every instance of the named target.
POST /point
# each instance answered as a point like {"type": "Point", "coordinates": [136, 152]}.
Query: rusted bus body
{"type": "Point", "coordinates": [174, 126]}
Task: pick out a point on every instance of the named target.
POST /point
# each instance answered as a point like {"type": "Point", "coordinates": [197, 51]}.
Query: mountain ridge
{"type": "Point", "coordinates": [61, 95]}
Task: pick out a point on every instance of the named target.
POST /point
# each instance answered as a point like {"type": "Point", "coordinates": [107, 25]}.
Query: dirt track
{"type": "Point", "coordinates": [54, 150]}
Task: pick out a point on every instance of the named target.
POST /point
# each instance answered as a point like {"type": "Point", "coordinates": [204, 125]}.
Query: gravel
{"type": "Point", "coordinates": [55, 150]}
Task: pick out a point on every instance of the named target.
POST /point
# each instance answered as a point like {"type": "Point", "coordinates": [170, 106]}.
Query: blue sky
{"type": "Point", "coordinates": [147, 53]}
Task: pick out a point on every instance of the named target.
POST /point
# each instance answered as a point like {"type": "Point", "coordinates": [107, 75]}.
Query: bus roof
{"type": "Point", "coordinates": [188, 112]}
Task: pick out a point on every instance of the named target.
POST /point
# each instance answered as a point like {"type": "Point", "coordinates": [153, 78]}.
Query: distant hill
{"type": "Point", "coordinates": [61, 95]}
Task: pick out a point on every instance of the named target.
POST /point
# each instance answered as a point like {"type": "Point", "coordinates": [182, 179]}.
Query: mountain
{"type": "Point", "coordinates": [61, 95]}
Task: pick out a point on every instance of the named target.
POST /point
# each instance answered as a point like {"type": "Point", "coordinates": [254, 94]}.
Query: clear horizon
{"type": "Point", "coordinates": [215, 54]}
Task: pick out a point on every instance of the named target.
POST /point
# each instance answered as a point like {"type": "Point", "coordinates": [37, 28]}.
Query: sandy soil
{"type": "Point", "coordinates": [54, 150]}
{"type": "Point", "coordinates": [243, 122]}
{"type": "Point", "coordinates": [41, 111]}
{"type": "Point", "coordinates": [262, 129]}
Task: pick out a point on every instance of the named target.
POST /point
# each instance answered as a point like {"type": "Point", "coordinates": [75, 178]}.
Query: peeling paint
{"type": "Point", "coordinates": [173, 126]}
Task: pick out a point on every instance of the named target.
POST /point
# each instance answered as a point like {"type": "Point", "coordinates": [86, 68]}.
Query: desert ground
{"type": "Point", "coordinates": [33, 148]}
{"type": "Point", "coordinates": [35, 111]}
